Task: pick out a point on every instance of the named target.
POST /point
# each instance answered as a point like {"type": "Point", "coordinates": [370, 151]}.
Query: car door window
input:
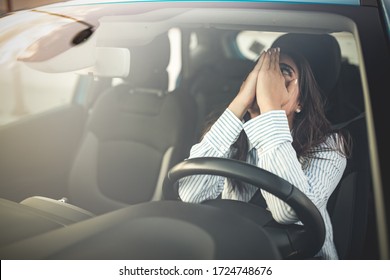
{"type": "Point", "coordinates": [26, 91]}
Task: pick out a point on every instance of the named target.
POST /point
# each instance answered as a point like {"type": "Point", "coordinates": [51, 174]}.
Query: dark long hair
{"type": "Point", "coordinates": [310, 127]}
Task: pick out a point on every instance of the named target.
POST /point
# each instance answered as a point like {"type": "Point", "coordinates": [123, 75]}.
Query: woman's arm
{"type": "Point", "coordinates": [270, 135]}
{"type": "Point", "coordinates": [216, 143]}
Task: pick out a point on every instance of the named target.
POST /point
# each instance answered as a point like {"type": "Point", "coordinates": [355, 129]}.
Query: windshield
{"type": "Point", "coordinates": [56, 50]}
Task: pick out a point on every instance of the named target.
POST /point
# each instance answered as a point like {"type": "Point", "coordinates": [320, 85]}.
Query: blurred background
{"type": "Point", "coordinates": [7, 6]}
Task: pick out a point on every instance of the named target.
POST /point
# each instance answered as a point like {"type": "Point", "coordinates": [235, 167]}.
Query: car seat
{"type": "Point", "coordinates": [349, 205]}
{"type": "Point", "coordinates": [136, 131]}
{"type": "Point", "coordinates": [215, 85]}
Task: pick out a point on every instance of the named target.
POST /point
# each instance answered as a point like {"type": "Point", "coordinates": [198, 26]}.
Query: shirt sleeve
{"type": "Point", "coordinates": [217, 142]}
{"type": "Point", "coordinates": [269, 133]}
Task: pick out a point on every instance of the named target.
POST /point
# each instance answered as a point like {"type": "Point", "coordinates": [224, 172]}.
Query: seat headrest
{"type": "Point", "coordinates": [322, 52]}
{"type": "Point", "coordinates": [148, 64]}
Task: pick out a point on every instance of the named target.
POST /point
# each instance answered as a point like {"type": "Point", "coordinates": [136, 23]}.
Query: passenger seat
{"type": "Point", "coordinates": [136, 131]}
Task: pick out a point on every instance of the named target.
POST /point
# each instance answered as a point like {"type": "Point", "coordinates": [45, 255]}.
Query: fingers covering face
{"type": "Point", "coordinates": [269, 60]}
{"type": "Point", "coordinates": [274, 59]}
{"type": "Point", "coordinates": [260, 61]}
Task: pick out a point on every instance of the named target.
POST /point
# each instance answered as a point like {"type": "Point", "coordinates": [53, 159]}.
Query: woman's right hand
{"type": "Point", "coordinates": [246, 97]}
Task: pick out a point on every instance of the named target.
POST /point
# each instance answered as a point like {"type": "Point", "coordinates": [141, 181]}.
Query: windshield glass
{"type": "Point", "coordinates": [51, 54]}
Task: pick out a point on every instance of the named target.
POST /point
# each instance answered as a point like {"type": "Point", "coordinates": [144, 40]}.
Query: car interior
{"type": "Point", "coordinates": [135, 133]}
{"type": "Point", "coordinates": [137, 130]}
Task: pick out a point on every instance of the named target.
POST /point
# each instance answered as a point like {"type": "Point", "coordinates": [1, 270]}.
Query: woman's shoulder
{"type": "Point", "coordinates": [333, 138]}
{"type": "Point", "coordinates": [335, 141]}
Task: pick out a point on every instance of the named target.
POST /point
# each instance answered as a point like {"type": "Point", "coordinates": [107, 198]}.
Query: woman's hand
{"type": "Point", "coordinates": [265, 88]}
{"type": "Point", "coordinates": [271, 90]}
{"type": "Point", "coordinates": [246, 97]}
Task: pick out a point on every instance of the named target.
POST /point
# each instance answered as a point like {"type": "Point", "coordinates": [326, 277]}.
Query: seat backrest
{"type": "Point", "coordinates": [215, 85]}
{"type": "Point", "coordinates": [349, 205]}
{"type": "Point", "coordinates": [136, 131]}
{"type": "Point", "coordinates": [323, 53]}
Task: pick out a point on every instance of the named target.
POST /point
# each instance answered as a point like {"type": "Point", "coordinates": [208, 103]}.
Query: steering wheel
{"type": "Point", "coordinates": [294, 241]}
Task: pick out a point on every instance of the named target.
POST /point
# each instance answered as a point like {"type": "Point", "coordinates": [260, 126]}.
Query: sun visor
{"type": "Point", "coordinates": [100, 61]}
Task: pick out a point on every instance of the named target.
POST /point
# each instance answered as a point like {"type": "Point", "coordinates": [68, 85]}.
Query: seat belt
{"type": "Point", "coordinates": [344, 124]}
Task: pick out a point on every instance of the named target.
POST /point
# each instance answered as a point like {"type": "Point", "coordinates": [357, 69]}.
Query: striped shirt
{"type": "Point", "coordinates": [270, 144]}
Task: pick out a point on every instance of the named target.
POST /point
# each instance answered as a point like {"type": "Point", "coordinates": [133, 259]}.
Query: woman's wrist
{"type": "Point", "coordinates": [269, 106]}
{"type": "Point", "coordinates": [237, 109]}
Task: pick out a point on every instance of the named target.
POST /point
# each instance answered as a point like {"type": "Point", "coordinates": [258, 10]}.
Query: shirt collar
{"type": "Point", "coordinates": [250, 145]}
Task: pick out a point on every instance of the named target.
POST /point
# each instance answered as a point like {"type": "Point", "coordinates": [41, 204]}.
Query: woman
{"type": "Point", "coordinates": [276, 122]}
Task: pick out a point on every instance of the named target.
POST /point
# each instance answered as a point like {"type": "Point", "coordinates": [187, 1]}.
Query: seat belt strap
{"type": "Point", "coordinates": [344, 124]}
